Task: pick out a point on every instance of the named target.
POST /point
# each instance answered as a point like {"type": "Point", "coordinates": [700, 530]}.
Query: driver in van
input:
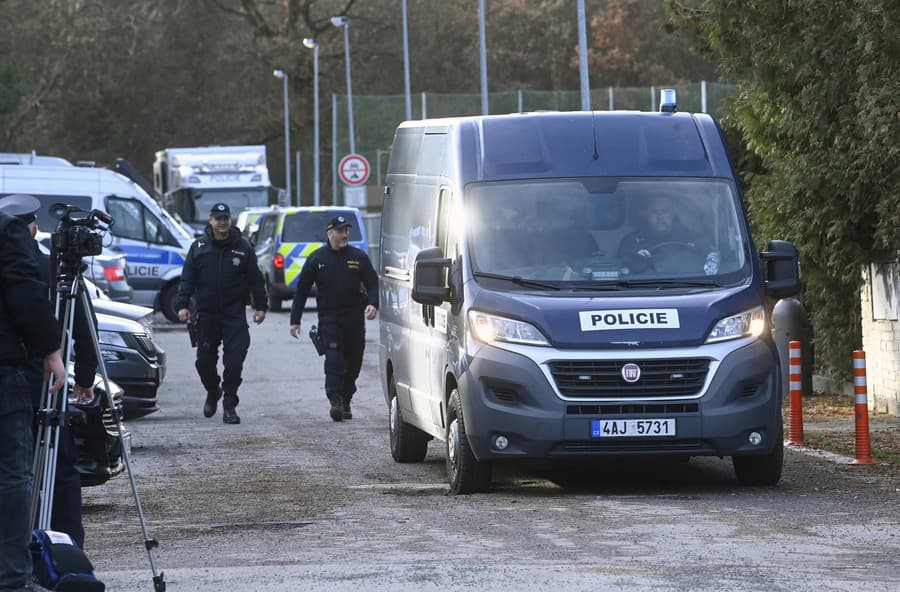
{"type": "Point", "coordinates": [659, 227]}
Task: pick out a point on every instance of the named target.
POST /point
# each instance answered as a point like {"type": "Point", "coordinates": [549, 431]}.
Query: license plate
{"type": "Point", "coordinates": [632, 428]}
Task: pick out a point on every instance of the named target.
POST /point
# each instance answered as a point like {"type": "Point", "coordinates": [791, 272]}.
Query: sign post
{"type": "Point", "coordinates": [354, 170]}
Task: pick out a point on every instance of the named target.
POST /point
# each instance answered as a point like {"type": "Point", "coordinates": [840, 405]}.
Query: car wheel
{"type": "Point", "coordinates": [464, 472]}
{"type": "Point", "coordinates": [274, 301]}
{"type": "Point", "coordinates": [408, 444]}
{"type": "Point", "coordinates": [167, 302]}
{"type": "Point", "coordinates": [761, 470]}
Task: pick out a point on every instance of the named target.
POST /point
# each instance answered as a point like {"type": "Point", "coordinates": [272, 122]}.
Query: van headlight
{"type": "Point", "coordinates": [751, 322]}
{"type": "Point", "coordinates": [111, 338]}
{"type": "Point", "coordinates": [489, 329]}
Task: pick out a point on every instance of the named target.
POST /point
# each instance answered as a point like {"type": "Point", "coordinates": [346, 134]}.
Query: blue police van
{"type": "Point", "coordinates": [571, 285]}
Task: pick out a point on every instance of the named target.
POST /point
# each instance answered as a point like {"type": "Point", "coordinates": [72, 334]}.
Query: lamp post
{"type": "Point", "coordinates": [406, 66]}
{"type": "Point", "coordinates": [287, 134]}
{"type": "Point", "coordinates": [343, 21]}
{"type": "Point", "coordinates": [483, 56]}
{"type": "Point", "coordinates": [314, 45]}
{"type": "Point", "coordinates": [582, 59]}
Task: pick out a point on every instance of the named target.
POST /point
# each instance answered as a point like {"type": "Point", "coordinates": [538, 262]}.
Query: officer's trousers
{"type": "Point", "coordinates": [16, 456]}
{"type": "Point", "coordinates": [344, 336]}
{"type": "Point", "coordinates": [230, 329]}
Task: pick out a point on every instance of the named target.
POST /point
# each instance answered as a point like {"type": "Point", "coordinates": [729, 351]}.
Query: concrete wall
{"type": "Point", "coordinates": [881, 335]}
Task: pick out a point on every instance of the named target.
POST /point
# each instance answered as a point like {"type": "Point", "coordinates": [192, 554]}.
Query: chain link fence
{"type": "Point", "coordinates": [376, 118]}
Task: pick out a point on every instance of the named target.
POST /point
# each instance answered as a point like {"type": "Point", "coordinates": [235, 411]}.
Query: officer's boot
{"type": "Point", "coordinates": [229, 414]}
{"type": "Point", "coordinates": [347, 414]}
{"type": "Point", "coordinates": [337, 407]}
{"type": "Point", "coordinates": [212, 401]}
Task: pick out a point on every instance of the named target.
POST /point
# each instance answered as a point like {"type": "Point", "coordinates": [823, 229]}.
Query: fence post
{"type": "Point", "coordinates": [521, 101]}
{"type": "Point", "coordinates": [861, 408]}
{"type": "Point", "coordinates": [703, 96]}
{"type": "Point", "coordinates": [424, 107]}
{"type": "Point", "coordinates": [612, 100]}
{"type": "Point", "coordinates": [652, 98]}
{"type": "Point", "coordinates": [795, 378]}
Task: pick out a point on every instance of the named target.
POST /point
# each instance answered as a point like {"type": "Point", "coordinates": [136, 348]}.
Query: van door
{"type": "Point", "coordinates": [150, 249]}
{"type": "Point", "coordinates": [439, 316]}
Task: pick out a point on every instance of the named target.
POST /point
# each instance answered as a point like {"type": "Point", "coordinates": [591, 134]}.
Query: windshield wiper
{"type": "Point", "coordinates": [518, 280]}
{"type": "Point", "coordinates": [648, 283]}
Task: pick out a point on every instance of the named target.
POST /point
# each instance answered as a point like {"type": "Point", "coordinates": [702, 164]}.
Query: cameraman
{"type": "Point", "coordinates": [26, 329]}
{"type": "Point", "coordinates": [66, 515]}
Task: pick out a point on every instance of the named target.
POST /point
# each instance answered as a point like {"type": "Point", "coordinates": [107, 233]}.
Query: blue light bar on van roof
{"type": "Point", "coordinates": [667, 103]}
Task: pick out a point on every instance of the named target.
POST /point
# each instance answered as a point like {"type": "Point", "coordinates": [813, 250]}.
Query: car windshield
{"type": "Point", "coordinates": [310, 227]}
{"type": "Point", "coordinates": [608, 232]}
{"type": "Point", "coordinates": [238, 200]}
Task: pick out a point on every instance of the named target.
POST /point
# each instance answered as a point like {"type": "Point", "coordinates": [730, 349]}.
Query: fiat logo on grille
{"type": "Point", "coordinates": [631, 372]}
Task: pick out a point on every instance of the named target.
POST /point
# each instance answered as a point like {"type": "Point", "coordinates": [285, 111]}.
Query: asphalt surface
{"type": "Point", "coordinates": [289, 500]}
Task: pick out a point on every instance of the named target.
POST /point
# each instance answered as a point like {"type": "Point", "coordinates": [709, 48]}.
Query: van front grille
{"type": "Point", "coordinates": [603, 378]}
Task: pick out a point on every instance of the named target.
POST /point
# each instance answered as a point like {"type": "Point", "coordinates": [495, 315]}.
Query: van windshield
{"type": "Point", "coordinates": [310, 227]}
{"type": "Point", "coordinates": [587, 232]}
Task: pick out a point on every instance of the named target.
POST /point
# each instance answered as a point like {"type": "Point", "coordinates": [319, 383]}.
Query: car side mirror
{"type": "Point", "coordinates": [430, 277]}
{"type": "Point", "coordinates": [782, 269]}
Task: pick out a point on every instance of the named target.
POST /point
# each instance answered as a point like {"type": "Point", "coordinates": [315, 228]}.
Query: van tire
{"type": "Point", "coordinates": [167, 302]}
{"type": "Point", "coordinates": [464, 472]}
{"type": "Point", "coordinates": [763, 470]}
{"type": "Point", "coordinates": [408, 444]}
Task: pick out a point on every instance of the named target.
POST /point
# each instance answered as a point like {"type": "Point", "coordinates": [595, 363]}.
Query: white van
{"type": "Point", "coordinates": [153, 243]}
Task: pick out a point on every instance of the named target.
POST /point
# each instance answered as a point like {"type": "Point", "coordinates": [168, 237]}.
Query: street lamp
{"type": "Point", "coordinates": [314, 45]}
{"type": "Point", "coordinates": [287, 135]}
{"type": "Point", "coordinates": [342, 21]}
{"type": "Point", "coordinates": [406, 66]}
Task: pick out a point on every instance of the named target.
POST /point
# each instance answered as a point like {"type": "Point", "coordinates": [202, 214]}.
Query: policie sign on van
{"type": "Point", "coordinates": [650, 318]}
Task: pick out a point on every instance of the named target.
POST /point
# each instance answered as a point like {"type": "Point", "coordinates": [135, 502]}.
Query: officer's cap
{"type": "Point", "coordinates": [338, 222]}
{"type": "Point", "coordinates": [220, 210]}
{"type": "Point", "coordinates": [21, 206]}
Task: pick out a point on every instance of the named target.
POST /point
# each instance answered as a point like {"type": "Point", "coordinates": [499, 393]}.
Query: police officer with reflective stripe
{"type": "Point", "coordinates": [27, 328]}
{"type": "Point", "coordinates": [220, 273]}
{"type": "Point", "coordinates": [346, 295]}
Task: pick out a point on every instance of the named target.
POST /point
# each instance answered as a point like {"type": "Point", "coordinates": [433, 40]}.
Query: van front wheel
{"type": "Point", "coordinates": [761, 470]}
{"type": "Point", "coordinates": [464, 472]}
{"type": "Point", "coordinates": [167, 302]}
{"type": "Point", "coordinates": [408, 444]}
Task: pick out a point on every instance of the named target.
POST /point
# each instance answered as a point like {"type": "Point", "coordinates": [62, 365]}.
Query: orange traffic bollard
{"type": "Point", "coordinates": [795, 429]}
{"type": "Point", "coordinates": [863, 446]}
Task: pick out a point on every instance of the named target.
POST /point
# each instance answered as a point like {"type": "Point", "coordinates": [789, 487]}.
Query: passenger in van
{"type": "Point", "coordinates": [220, 273]}
{"type": "Point", "coordinates": [346, 295]}
{"type": "Point", "coordinates": [660, 231]}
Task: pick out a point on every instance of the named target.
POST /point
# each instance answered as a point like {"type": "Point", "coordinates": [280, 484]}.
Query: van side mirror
{"type": "Point", "coordinates": [430, 277]}
{"type": "Point", "coordinates": [782, 269]}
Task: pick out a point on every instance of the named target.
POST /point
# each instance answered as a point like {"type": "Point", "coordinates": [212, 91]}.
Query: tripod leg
{"type": "Point", "coordinates": [149, 543]}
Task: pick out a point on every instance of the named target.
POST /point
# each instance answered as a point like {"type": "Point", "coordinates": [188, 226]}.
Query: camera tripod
{"type": "Point", "coordinates": [71, 293]}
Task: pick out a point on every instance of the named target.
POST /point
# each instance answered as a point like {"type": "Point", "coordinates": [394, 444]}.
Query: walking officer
{"type": "Point", "coordinates": [221, 273]}
{"type": "Point", "coordinates": [346, 295]}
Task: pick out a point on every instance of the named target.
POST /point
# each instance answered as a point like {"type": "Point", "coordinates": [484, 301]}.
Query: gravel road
{"type": "Point", "coordinates": [289, 500]}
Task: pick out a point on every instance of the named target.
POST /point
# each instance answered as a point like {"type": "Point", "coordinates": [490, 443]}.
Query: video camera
{"type": "Point", "coordinates": [80, 233]}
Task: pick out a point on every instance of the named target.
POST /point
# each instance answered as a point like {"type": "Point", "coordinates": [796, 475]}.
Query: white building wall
{"type": "Point", "coordinates": [881, 336]}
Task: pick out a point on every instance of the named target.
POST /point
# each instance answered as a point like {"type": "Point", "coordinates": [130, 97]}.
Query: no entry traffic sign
{"type": "Point", "coordinates": [354, 169]}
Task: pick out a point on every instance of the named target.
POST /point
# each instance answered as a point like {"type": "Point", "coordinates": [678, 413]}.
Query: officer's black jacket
{"type": "Point", "coordinates": [339, 277]}
{"type": "Point", "coordinates": [27, 327]}
{"type": "Point", "coordinates": [221, 274]}
{"type": "Point", "coordinates": [85, 357]}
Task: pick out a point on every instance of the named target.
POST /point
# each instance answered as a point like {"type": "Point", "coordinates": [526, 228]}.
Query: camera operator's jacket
{"type": "Point", "coordinates": [27, 327]}
{"type": "Point", "coordinates": [221, 275]}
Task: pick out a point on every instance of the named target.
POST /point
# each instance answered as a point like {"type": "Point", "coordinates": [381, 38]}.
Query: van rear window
{"type": "Point", "coordinates": [310, 227]}
{"type": "Point", "coordinates": [45, 221]}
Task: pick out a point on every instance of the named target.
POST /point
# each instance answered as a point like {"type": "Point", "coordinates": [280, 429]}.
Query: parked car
{"type": "Point", "coordinates": [131, 359]}
{"type": "Point", "coordinates": [107, 271]}
{"type": "Point", "coordinates": [139, 314]}
{"type": "Point", "coordinates": [287, 236]}
{"type": "Point", "coordinates": [99, 451]}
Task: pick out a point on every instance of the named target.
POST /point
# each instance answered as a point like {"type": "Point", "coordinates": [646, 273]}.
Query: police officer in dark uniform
{"type": "Point", "coordinates": [27, 329]}
{"type": "Point", "coordinates": [66, 515]}
{"type": "Point", "coordinates": [221, 273]}
{"type": "Point", "coordinates": [346, 295]}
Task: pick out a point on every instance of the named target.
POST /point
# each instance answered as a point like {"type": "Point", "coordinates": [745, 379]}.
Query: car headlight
{"type": "Point", "coordinates": [751, 322]}
{"type": "Point", "coordinates": [111, 338]}
{"type": "Point", "coordinates": [489, 328]}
